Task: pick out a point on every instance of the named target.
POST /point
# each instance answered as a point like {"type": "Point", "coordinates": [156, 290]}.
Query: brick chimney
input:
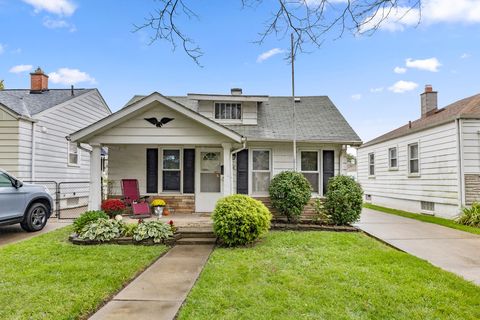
{"type": "Point", "coordinates": [428, 101]}
{"type": "Point", "coordinates": [38, 81]}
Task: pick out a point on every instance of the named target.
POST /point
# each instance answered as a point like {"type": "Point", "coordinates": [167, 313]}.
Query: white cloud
{"type": "Point", "coordinates": [376, 90]}
{"type": "Point", "coordinates": [399, 70]}
{"type": "Point", "coordinates": [70, 76]}
{"type": "Point", "coordinates": [2, 48]}
{"type": "Point", "coordinates": [58, 24]}
{"type": "Point", "coordinates": [432, 11]}
{"type": "Point", "coordinates": [268, 54]}
{"type": "Point", "coordinates": [58, 7]}
{"type": "Point", "coordinates": [431, 64]}
{"type": "Point", "coordinates": [21, 68]}
{"type": "Point", "coordinates": [465, 56]}
{"type": "Point", "coordinates": [356, 97]}
{"type": "Point", "coordinates": [403, 86]}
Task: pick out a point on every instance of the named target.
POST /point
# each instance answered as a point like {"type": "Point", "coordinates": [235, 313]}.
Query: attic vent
{"type": "Point", "coordinates": [297, 99]}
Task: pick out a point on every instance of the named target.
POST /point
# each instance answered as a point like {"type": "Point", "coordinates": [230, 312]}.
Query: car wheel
{"type": "Point", "coordinates": [35, 218]}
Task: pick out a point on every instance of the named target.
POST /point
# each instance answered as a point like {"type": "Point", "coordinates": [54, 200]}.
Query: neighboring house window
{"type": "Point", "coordinates": [309, 167]}
{"type": "Point", "coordinates": [260, 171]}
{"type": "Point", "coordinates": [413, 167]}
{"type": "Point", "coordinates": [228, 111]}
{"type": "Point", "coordinates": [72, 153]}
{"type": "Point", "coordinates": [171, 170]}
{"type": "Point", "coordinates": [371, 164]}
{"type": "Point", "coordinates": [427, 206]}
{"type": "Point", "coordinates": [392, 158]}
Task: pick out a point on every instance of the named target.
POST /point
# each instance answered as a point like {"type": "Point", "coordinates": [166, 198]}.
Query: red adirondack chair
{"type": "Point", "coordinates": [132, 198]}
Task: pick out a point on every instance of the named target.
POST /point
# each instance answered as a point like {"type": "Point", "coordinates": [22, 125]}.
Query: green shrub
{"type": "Point", "coordinates": [155, 230]}
{"type": "Point", "coordinates": [290, 192]}
{"type": "Point", "coordinates": [239, 220]}
{"type": "Point", "coordinates": [321, 214]}
{"type": "Point", "coordinates": [343, 200]}
{"type": "Point", "coordinates": [129, 229]}
{"type": "Point", "coordinates": [102, 230]}
{"type": "Point", "coordinates": [87, 217]}
{"type": "Point", "coordinates": [470, 216]}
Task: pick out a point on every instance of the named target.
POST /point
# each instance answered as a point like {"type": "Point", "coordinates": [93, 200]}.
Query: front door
{"type": "Point", "coordinates": [328, 167]}
{"type": "Point", "coordinates": [209, 186]}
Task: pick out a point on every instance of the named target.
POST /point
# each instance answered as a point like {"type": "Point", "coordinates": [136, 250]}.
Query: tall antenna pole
{"type": "Point", "coordinates": [293, 105]}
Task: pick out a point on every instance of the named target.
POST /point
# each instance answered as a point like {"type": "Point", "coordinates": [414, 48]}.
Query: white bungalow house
{"type": "Point", "coordinates": [33, 125]}
{"type": "Point", "coordinates": [430, 165]}
{"type": "Point", "coordinates": [194, 149]}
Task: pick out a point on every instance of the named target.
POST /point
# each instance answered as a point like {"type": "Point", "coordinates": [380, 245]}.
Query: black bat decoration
{"type": "Point", "coordinates": [160, 123]}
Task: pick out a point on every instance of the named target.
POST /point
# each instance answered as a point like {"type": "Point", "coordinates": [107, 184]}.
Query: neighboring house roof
{"type": "Point", "coordinates": [317, 120]}
{"type": "Point", "coordinates": [27, 104]}
{"type": "Point", "coordinates": [465, 108]}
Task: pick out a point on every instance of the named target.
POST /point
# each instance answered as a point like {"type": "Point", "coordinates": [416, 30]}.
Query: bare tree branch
{"type": "Point", "coordinates": [311, 21]}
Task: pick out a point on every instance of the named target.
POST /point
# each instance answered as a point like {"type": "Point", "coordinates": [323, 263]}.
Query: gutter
{"type": "Point", "coordinates": [244, 146]}
{"type": "Point", "coordinates": [460, 163]}
{"type": "Point", "coordinates": [32, 163]}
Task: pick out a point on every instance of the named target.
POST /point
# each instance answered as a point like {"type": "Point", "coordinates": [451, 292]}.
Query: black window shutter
{"type": "Point", "coordinates": [242, 172]}
{"type": "Point", "coordinates": [328, 168]}
{"type": "Point", "coordinates": [152, 170]}
{"type": "Point", "coordinates": [188, 170]}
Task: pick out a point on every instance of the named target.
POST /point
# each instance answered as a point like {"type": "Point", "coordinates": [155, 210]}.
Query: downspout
{"type": "Point", "coordinates": [244, 146]}
{"type": "Point", "coordinates": [32, 163]}
{"type": "Point", "coordinates": [460, 162]}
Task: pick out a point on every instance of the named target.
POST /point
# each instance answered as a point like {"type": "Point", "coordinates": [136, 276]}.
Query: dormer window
{"type": "Point", "coordinates": [228, 111]}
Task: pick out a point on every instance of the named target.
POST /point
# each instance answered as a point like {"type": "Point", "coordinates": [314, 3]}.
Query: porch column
{"type": "Point", "coordinates": [95, 198]}
{"type": "Point", "coordinates": [343, 161]}
{"type": "Point", "coordinates": [227, 169]}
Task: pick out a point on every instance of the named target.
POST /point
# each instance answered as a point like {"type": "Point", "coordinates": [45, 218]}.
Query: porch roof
{"type": "Point", "coordinates": [110, 121]}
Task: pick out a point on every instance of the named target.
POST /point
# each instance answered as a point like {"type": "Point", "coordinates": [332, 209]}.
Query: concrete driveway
{"type": "Point", "coordinates": [452, 250]}
{"type": "Point", "coordinates": [14, 233]}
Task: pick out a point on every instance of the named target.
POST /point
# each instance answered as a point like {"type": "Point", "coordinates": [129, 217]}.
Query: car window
{"type": "Point", "coordinates": [5, 180]}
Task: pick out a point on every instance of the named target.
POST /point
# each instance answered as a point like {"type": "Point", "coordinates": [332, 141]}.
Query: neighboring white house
{"type": "Point", "coordinates": [206, 146]}
{"type": "Point", "coordinates": [430, 165]}
{"type": "Point", "coordinates": [34, 124]}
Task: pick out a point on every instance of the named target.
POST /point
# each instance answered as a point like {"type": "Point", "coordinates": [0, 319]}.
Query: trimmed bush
{"type": "Point", "coordinates": [289, 193]}
{"type": "Point", "coordinates": [240, 220]}
{"type": "Point", "coordinates": [470, 216]}
{"type": "Point", "coordinates": [102, 230]}
{"type": "Point", "coordinates": [343, 200]}
{"type": "Point", "coordinates": [87, 217]}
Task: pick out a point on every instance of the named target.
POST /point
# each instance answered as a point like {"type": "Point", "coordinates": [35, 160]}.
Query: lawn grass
{"type": "Point", "coordinates": [47, 277]}
{"type": "Point", "coordinates": [430, 219]}
{"type": "Point", "coordinates": [326, 275]}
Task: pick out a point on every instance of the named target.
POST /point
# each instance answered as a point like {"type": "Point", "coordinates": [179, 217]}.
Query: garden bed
{"type": "Point", "coordinates": [310, 226]}
{"type": "Point", "coordinates": [75, 239]}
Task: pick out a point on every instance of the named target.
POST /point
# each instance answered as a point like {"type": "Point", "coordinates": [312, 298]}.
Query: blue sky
{"type": "Point", "coordinates": [374, 80]}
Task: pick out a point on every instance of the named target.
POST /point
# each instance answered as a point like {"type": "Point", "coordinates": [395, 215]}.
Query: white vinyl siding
{"type": "Point", "coordinates": [471, 145]}
{"type": "Point", "coordinates": [9, 144]}
{"type": "Point", "coordinates": [438, 165]}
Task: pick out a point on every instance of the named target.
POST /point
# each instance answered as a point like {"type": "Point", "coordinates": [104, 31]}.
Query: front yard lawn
{"type": "Point", "coordinates": [47, 277]}
{"type": "Point", "coordinates": [326, 275]}
{"type": "Point", "coordinates": [421, 217]}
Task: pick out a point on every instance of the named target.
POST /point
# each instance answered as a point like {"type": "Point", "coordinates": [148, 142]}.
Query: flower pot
{"type": "Point", "coordinates": [158, 211]}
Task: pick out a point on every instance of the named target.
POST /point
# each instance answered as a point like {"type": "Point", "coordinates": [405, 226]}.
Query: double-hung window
{"type": "Point", "coordinates": [261, 171]}
{"type": "Point", "coordinates": [228, 111]}
{"type": "Point", "coordinates": [392, 158]}
{"type": "Point", "coordinates": [371, 164]}
{"type": "Point", "coordinates": [73, 154]}
{"type": "Point", "coordinates": [413, 164]}
{"type": "Point", "coordinates": [309, 167]}
{"type": "Point", "coordinates": [171, 170]}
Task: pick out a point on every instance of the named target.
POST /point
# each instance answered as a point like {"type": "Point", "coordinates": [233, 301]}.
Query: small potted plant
{"type": "Point", "coordinates": [113, 207]}
{"type": "Point", "coordinates": [158, 206]}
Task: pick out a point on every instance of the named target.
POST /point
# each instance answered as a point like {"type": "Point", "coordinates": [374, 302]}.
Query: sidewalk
{"type": "Point", "coordinates": [452, 250]}
{"type": "Point", "coordinates": [14, 233]}
{"type": "Point", "coordinates": [159, 292]}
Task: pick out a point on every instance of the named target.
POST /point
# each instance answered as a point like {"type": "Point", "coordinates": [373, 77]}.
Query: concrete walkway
{"type": "Point", "coordinates": [452, 250]}
{"type": "Point", "coordinates": [159, 292]}
{"type": "Point", "coordinates": [14, 233]}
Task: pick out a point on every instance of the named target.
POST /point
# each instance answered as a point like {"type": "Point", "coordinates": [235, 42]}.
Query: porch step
{"type": "Point", "coordinates": [196, 241]}
{"type": "Point", "coordinates": [197, 234]}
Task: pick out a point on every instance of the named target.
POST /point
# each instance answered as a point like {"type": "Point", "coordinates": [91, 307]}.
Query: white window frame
{"type": "Point", "coordinates": [410, 173]}
{"type": "Point", "coordinates": [73, 164]}
{"type": "Point", "coordinates": [228, 120]}
{"type": "Point", "coordinates": [390, 167]}
{"type": "Point", "coordinates": [371, 164]}
{"type": "Point", "coordinates": [250, 168]}
{"type": "Point", "coordinates": [180, 150]}
{"type": "Point", "coordinates": [319, 171]}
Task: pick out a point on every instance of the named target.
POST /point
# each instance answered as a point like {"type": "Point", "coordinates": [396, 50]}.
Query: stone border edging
{"type": "Point", "coordinates": [312, 227]}
{"type": "Point", "coordinates": [73, 238]}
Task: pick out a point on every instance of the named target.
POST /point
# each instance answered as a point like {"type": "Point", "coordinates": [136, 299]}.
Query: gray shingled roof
{"type": "Point", "coordinates": [317, 119]}
{"type": "Point", "coordinates": [27, 104]}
